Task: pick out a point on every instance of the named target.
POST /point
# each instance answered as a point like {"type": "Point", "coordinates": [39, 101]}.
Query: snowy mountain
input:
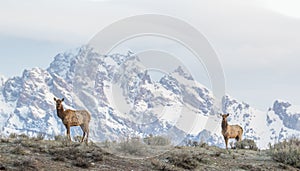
{"type": "Point", "coordinates": [124, 101]}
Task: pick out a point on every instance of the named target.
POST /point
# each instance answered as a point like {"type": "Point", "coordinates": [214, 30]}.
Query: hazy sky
{"type": "Point", "coordinates": [257, 41]}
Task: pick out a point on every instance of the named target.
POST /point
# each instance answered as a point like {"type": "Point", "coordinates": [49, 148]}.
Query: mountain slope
{"type": "Point", "coordinates": [124, 101]}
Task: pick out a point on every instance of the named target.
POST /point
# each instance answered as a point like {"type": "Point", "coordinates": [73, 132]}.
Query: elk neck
{"type": "Point", "coordinates": [224, 124]}
{"type": "Point", "coordinates": [60, 111]}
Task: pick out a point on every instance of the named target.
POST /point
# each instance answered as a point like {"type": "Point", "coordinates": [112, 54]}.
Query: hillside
{"type": "Point", "coordinates": [24, 153]}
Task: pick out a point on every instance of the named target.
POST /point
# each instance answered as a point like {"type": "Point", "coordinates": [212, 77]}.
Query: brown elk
{"type": "Point", "coordinates": [73, 118]}
{"type": "Point", "coordinates": [230, 131]}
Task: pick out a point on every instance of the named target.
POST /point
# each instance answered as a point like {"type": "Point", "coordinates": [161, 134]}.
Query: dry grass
{"type": "Point", "coordinates": [132, 146]}
{"type": "Point", "coordinates": [287, 152]}
{"type": "Point", "coordinates": [136, 147]}
{"type": "Point", "coordinates": [19, 152]}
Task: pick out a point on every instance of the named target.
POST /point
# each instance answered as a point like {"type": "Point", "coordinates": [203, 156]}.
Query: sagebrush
{"type": "Point", "coordinates": [246, 144]}
{"type": "Point", "coordinates": [287, 152]}
{"type": "Point", "coordinates": [157, 140]}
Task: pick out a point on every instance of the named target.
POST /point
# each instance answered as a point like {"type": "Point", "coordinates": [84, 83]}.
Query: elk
{"type": "Point", "coordinates": [230, 131]}
{"type": "Point", "coordinates": [73, 118]}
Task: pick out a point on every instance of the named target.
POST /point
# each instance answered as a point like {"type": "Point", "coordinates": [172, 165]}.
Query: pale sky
{"type": "Point", "coordinates": [257, 41]}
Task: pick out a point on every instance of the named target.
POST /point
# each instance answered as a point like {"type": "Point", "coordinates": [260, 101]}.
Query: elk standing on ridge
{"type": "Point", "coordinates": [73, 118]}
{"type": "Point", "coordinates": [230, 131]}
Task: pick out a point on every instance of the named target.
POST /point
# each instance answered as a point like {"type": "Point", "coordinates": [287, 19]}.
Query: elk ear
{"type": "Point", "coordinates": [54, 99]}
{"type": "Point", "coordinates": [220, 114]}
{"type": "Point", "coordinates": [227, 114]}
{"type": "Point", "coordinates": [62, 99]}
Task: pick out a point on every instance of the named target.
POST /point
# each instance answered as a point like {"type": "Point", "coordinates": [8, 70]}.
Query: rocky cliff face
{"type": "Point", "coordinates": [125, 101]}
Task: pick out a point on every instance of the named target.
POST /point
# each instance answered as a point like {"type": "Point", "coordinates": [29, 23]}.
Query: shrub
{"type": "Point", "coordinates": [191, 143]}
{"type": "Point", "coordinates": [40, 136]}
{"type": "Point", "coordinates": [107, 144]}
{"type": "Point", "coordinates": [25, 164]}
{"type": "Point", "coordinates": [287, 152]}
{"type": "Point", "coordinates": [188, 142]}
{"type": "Point", "coordinates": [59, 138]}
{"type": "Point", "coordinates": [23, 136]}
{"type": "Point", "coordinates": [157, 140]}
{"type": "Point", "coordinates": [80, 162]}
{"type": "Point", "coordinates": [18, 150]}
{"type": "Point", "coordinates": [185, 160]}
{"type": "Point", "coordinates": [195, 144]}
{"type": "Point", "coordinates": [2, 167]}
{"type": "Point", "coordinates": [132, 146]}
{"type": "Point", "coordinates": [77, 138]}
{"type": "Point", "coordinates": [203, 145]}
{"type": "Point", "coordinates": [59, 158]}
{"type": "Point", "coordinates": [161, 165]}
{"type": "Point", "coordinates": [62, 139]}
{"type": "Point", "coordinates": [4, 140]}
{"type": "Point", "coordinates": [13, 135]}
{"type": "Point", "coordinates": [246, 144]}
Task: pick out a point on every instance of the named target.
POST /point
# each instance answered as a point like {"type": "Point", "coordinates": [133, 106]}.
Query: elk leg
{"type": "Point", "coordinates": [82, 137]}
{"type": "Point", "coordinates": [68, 132]}
{"type": "Point", "coordinates": [84, 131]}
{"type": "Point", "coordinates": [87, 134]}
{"type": "Point", "coordinates": [226, 142]}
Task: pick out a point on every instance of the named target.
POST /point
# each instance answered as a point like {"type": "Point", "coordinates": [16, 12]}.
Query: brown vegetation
{"type": "Point", "coordinates": [287, 152]}
{"type": "Point", "coordinates": [246, 144]}
{"type": "Point", "coordinates": [31, 153]}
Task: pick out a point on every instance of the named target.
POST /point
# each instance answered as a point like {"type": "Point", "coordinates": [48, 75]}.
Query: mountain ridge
{"type": "Point", "coordinates": [174, 105]}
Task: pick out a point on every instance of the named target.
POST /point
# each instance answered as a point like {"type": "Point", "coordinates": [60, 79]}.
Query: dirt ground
{"type": "Point", "coordinates": [38, 154]}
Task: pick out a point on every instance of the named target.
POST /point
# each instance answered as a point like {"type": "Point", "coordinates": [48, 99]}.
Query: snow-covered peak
{"type": "Point", "coordinates": [175, 104]}
{"type": "Point", "coordinates": [232, 105]}
{"type": "Point", "coordinates": [63, 63]}
{"type": "Point", "coordinates": [2, 81]}
{"type": "Point", "coordinates": [181, 71]}
{"type": "Point", "coordinates": [282, 107]}
{"type": "Point", "coordinates": [288, 113]}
